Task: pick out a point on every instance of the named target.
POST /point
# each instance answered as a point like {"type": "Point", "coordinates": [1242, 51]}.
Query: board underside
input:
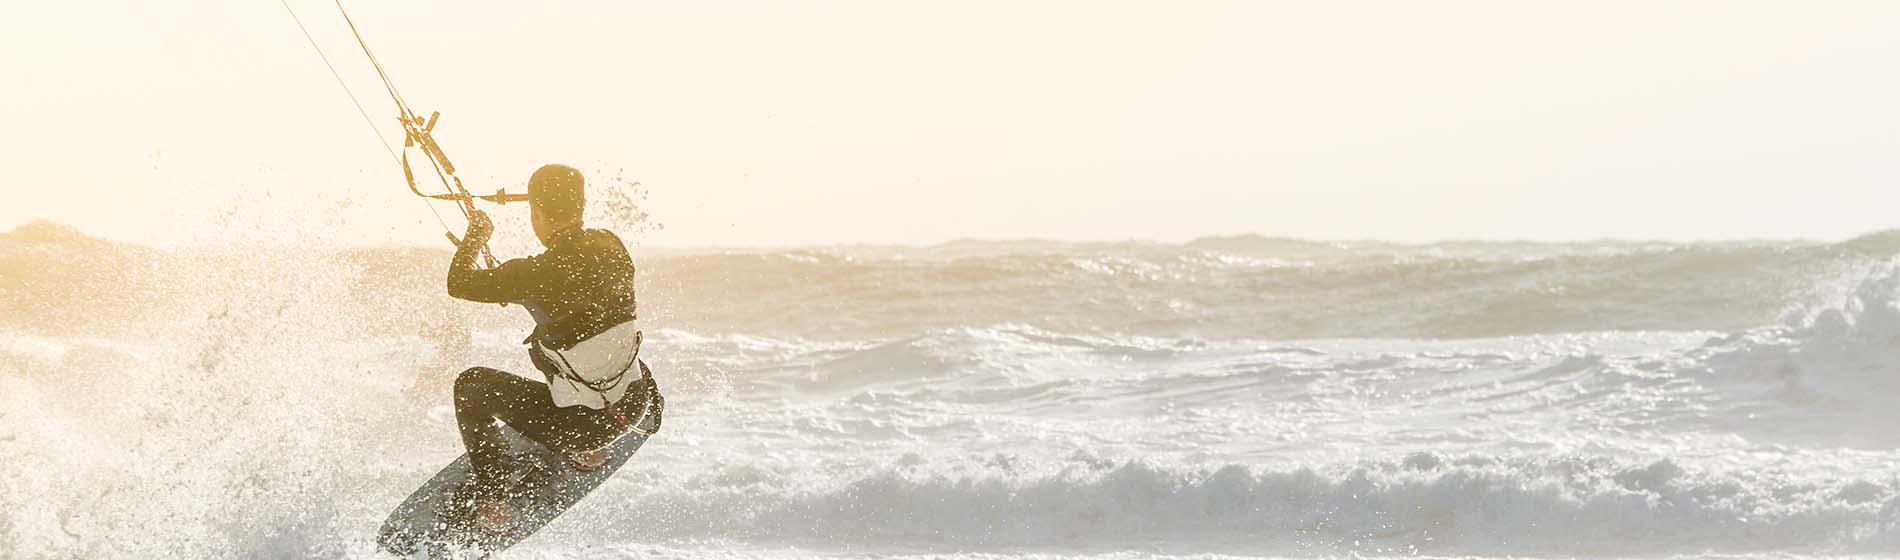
{"type": "Point", "coordinates": [436, 520]}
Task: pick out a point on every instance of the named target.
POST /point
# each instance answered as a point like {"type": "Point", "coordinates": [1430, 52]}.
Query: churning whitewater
{"type": "Point", "coordinates": [1224, 397]}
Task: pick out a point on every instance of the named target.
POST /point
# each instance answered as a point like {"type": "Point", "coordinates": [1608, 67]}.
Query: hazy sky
{"type": "Point", "coordinates": [208, 121]}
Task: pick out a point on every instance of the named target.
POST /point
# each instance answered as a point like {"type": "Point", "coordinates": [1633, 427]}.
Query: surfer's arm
{"type": "Point", "coordinates": [479, 285]}
{"type": "Point", "coordinates": [502, 284]}
{"type": "Point", "coordinates": [469, 282]}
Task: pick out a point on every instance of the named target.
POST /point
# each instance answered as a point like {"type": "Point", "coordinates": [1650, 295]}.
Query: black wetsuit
{"type": "Point", "coordinates": [582, 285]}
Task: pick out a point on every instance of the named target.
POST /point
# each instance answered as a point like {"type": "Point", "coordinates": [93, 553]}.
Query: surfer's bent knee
{"type": "Point", "coordinates": [470, 379]}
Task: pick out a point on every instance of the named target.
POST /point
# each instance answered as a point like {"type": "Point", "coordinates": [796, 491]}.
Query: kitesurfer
{"type": "Point", "coordinates": [585, 341]}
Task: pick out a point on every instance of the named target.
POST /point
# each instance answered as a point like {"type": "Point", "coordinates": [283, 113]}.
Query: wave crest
{"type": "Point", "coordinates": [1420, 504]}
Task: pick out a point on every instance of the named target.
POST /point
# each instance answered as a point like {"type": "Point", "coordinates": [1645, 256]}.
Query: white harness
{"type": "Point", "coordinates": [593, 373]}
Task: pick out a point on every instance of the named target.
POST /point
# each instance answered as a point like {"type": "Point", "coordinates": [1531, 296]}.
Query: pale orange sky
{"type": "Point", "coordinates": [211, 121]}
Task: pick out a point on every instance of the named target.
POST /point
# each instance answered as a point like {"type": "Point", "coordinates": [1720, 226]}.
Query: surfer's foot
{"type": "Point", "coordinates": [587, 461]}
{"type": "Point", "coordinates": [492, 517]}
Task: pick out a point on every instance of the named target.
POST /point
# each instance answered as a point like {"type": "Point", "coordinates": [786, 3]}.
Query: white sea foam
{"type": "Point", "coordinates": [1019, 401]}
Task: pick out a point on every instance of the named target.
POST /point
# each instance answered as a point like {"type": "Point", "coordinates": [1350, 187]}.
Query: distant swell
{"type": "Point", "coordinates": [1218, 288]}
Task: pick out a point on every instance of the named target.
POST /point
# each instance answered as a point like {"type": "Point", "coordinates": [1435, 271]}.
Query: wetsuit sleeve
{"type": "Point", "coordinates": [503, 284]}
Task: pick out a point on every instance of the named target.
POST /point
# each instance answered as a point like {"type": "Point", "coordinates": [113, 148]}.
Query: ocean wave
{"type": "Point", "coordinates": [1826, 376]}
{"type": "Point", "coordinates": [1228, 396]}
{"type": "Point", "coordinates": [1423, 503]}
{"type": "Point", "coordinates": [1226, 289]}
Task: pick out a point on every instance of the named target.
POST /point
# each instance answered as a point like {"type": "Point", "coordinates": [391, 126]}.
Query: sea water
{"type": "Point", "coordinates": [1227, 397]}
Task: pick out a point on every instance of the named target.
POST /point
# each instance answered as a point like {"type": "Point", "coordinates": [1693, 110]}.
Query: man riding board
{"type": "Point", "coordinates": [586, 343]}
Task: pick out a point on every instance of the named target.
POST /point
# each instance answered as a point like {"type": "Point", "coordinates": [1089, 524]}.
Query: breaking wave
{"type": "Point", "coordinates": [1423, 503]}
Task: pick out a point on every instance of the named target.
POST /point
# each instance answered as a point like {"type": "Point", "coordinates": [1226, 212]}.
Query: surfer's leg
{"type": "Point", "coordinates": [570, 429]}
{"type": "Point", "coordinates": [482, 396]}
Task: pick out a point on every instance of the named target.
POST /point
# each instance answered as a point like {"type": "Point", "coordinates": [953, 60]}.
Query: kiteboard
{"type": "Point", "coordinates": [437, 521]}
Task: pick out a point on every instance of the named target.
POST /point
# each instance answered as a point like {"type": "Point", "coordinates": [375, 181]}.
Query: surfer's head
{"type": "Point", "coordinates": [556, 196]}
